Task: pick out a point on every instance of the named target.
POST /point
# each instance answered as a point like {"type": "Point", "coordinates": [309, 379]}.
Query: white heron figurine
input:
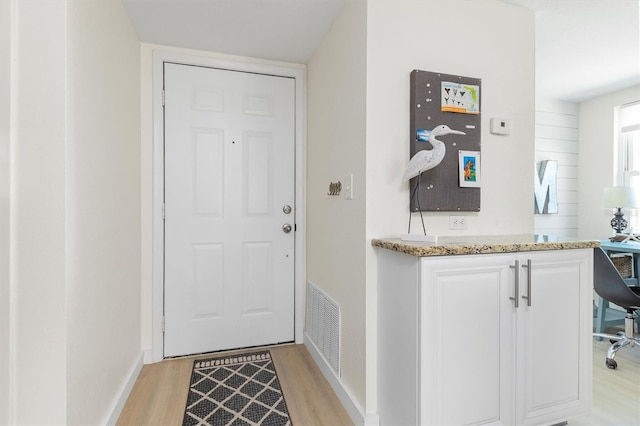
{"type": "Point", "coordinates": [427, 159]}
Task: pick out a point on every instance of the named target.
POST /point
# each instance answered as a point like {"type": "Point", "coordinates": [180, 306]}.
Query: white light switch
{"type": "Point", "coordinates": [347, 187]}
{"type": "Point", "coordinates": [500, 126]}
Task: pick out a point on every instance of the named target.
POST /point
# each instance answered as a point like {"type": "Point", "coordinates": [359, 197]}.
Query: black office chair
{"type": "Point", "coordinates": [610, 285]}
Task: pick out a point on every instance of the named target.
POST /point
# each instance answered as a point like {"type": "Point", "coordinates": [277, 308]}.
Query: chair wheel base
{"type": "Point", "coordinates": [611, 363]}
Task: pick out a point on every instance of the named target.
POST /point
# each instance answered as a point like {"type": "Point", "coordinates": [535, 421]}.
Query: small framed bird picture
{"type": "Point", "coordinates": [469, 169]}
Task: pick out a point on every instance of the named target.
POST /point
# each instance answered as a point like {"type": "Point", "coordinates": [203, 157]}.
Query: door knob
{"type": "Point", "coordinates": [286, 228]}
{"type": "Point", "coordinates": [286, 209]}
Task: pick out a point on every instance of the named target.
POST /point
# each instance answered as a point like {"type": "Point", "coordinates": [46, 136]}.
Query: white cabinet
{"type": "Point", "coordinates": [455, 349]}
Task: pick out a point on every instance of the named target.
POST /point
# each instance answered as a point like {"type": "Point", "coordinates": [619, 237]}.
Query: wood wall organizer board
{"type": "Point", "coordinates": [458, 108]}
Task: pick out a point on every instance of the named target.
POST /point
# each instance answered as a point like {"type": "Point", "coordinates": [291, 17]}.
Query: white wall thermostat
{"type": "Point", "coordinates": [500, 126]}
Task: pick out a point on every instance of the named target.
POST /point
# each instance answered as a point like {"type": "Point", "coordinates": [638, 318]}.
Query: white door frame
{"type": "Point", "coordinates": [157, 294]}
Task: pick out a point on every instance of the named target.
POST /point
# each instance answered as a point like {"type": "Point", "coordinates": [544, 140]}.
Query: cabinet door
{"type": "Point", "coordinates": [554, 336]}
{"type": "Point", "coordinates": [467, 339]}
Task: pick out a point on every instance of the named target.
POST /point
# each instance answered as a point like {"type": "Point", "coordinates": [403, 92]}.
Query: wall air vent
{"type": "Point", "coordinates": [323, 325]}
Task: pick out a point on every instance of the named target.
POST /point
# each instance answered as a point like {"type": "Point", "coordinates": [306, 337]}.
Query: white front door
{"type": "Point", "coordinates": [229, 194]}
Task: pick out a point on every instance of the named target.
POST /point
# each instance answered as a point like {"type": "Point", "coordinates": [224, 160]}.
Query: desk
{"type": "Point", "coordinates": [610, 316]}
{"type": "Point", "coordinates": [628, 247]}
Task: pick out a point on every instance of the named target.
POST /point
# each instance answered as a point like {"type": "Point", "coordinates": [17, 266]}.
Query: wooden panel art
{"type": "Point", "coordinates": [454, 101]}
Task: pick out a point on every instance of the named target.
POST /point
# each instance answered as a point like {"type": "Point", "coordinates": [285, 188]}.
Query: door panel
{"type": "Point", "coordinates": [208, 272]}
{"type": "Point", "coordinates": [229, 169]}
{"type": "Point", "coordinates": [257, 282]}
{"type": "Point", "coordinates": [467, 333]}
{"type": "Point", "coordinates": [208, 166]}
{"type": "Point", "coordinates": [555, 336]}
{"type": "Point", "coordinates": [257, 166]}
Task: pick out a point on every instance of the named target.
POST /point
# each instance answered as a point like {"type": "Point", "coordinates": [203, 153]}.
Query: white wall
{"type": "Point", "coordinates": [38, 196]}
{"type": "Point", "coordinates": [5, 128]}
{"type": "Point", "coordinates": [74, 318]}
{"type": "Point", "coordinates": [336, 147]}
{"type": "Point", "coordinates": [103, 207]}
{"type": "Point", "coordinates": [492, 41]}
{"type": "Point", "coordinates": [596, 165]}
{"type": "Point", "coordinates": [557, 139]}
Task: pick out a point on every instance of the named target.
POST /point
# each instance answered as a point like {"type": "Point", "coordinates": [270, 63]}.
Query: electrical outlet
{"type": "Point", "coordinates": [457, 222]}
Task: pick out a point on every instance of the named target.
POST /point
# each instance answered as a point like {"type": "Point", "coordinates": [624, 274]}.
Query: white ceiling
{"type": "Point", "coordinates": [584, 48]}
{"type": "Point", "coordinates": [282, 30]}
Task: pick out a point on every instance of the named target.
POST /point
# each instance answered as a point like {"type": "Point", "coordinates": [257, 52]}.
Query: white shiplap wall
{"type": "Point", "coordinates": [557, 139]}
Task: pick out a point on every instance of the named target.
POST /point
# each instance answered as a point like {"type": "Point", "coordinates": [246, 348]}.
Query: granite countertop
{"type": "Point", "coordinates": [482, 244]}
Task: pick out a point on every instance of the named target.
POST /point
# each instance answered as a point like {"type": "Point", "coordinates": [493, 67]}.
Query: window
{"type": "Point", "coordinates": [629, 155]}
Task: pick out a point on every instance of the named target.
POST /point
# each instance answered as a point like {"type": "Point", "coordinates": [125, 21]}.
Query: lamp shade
{"type": "Point", "coordinates": [620, 197]}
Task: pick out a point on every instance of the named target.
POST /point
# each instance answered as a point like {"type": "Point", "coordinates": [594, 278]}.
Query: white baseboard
{"type": "Point", "coordinates": [148, 356]}
{"type": "Point", "coordinates": [358, 416]}
{"type": "Point", "coordinates": [123, 393]}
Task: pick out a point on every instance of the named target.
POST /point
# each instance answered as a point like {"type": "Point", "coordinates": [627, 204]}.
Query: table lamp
{"type": "Point", "coordinates": [619, 197]}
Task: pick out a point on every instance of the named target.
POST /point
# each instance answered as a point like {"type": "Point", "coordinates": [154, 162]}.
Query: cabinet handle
{"type": "Point", "coordinates": [528, 296]}
{"type": "Point", "coordinates": [516, 299]}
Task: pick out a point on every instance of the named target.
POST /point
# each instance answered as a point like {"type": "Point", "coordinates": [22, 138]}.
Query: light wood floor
{"type": "Point", "coordinates": [616, 393]}
{"type": "Point", "coordinates": [160, 393]}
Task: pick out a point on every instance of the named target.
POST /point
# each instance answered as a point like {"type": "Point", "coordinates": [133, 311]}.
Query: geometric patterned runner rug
{"type": "Point", "coordinates": [236, 390]}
